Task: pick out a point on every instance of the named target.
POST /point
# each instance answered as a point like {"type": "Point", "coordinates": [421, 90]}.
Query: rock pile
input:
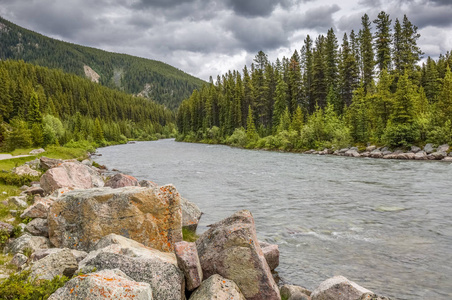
{"type": "Point", "coordinates": [429, 152]}
{"type": "Point", "coordinates": [125, 239]}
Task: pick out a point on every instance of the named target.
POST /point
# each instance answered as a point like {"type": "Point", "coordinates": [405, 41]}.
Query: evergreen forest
{"type": "Point", "coordinates": [153, 79]}
{"type": "Point", "coordinates": [41, 106]}
{"type": "Point", "coordinates": [370, 87]}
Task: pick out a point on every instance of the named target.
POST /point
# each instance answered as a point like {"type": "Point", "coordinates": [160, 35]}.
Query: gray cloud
{"type": "Point", "coordinates": [207, 37]}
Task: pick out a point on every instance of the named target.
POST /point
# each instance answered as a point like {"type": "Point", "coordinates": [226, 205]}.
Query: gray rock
{"type": "Point", "coordinates": [217, 287]}
{"type": "Point", "coordinates": [35, 190]}
{"type": "Point", "coordinates": [352, 153]}
{"type": "Point", "coordinates": [271, 254]}
{"type": "Point", "coordinates": [34, 164]}
{"type": "Point", "coordinates": [20, 201]}
{"type": "Point", "coordinates": [371, 148]}
{"type": "Point", "coordinates": [230, 248]}
{"type": "Point", "coordinates": [343, 150]}
{"type": "Point", "coordinates": [190, 214]}
{"type": "Point", "coordinates": [443, 148]}
{"type": "Point", "coordinates": [25, 170]}
{"type": "Point", "coordinates": [49, 163]}
{"type": "Point", "coordinates": [40, 254]}
{"type": "Point", "coordinates": [421, 155]}
{"type": "Point", "coordinates": [19, 260]}
{"type": "Point", "coordinates": [339, 288]}
{"type": "Point", "coordinates": [386, 152]}
{"type": "Point", "coordinates": [376, 154]}
{"type": "Point", "coordinates": [25, 241]}
{"type": "Point", "coordinates": [60, 263]}
{"type": "Point", "coordinates": [141, 263]}
{"type": "Point", "coordinates": [188, 262]}
{"type": "Point", "coordinates": [7, 228]}
{"type": "Point", "coordinates": [121, 180]}
{"type": "Point", "coordinates": [87, 162]}
{"type": "Point", "coordinates": [37, 151]}
{"type": "Point", "coordinates": [38, 227]}
{"type": "Point", "coordinates": [439, 155]}
{"type": "Point", "coordinates": [148, 184]}
{"type": "Point", "coordinates": [293, 292]}
{"type": "Point", "coordinates": [447, 159]}
{"type": "Point", "coordinates": [40, 209]}
{"type": "Point", "coordinates": [415, 149]}
{"type": "Point", "coordinates": [429, 148]}
{"type": "Point", "coordinates": [111, 284]}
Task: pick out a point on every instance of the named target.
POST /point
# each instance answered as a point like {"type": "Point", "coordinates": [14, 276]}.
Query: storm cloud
{"type": "Point", "coordinates": [209, 37]}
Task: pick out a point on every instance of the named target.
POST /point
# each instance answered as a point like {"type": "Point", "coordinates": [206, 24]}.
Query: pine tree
{"type": "Point", "coordinates": [250, 126]}
{"type": "Point", "coordinates": [98, 133]}
{"type": "Point", "coordinates": [297, 120]}
{"type": "Point", "coordinates": [34, 113]}
{"type": "Point", "coordinates": [294, 82]}
{"type": "Point", "coordinates": [331, 56]}
{"type": "Point", "coordinates": [307, 64]}
{"type": "Point", "coordinates": [411, 53]}
{"type": "Point", "coordinates": [280, 102]}
{"type": "Point", "coordinates": [348, 73]}
{"type": "Point", "coordinates": [367, 54]}
{"type": "Point", "coordinates": [383, 41]}
{"type": "Point", "coordinates": [445, 98]}
{"type": "Point", "coordinates": [319, 84]}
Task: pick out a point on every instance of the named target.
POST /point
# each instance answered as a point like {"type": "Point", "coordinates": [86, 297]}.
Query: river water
{"type": "Point", "coordinates": [385, 224]}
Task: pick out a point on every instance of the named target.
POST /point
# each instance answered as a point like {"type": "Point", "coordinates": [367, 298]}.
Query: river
{"type": "Point", "coordinates": [385, 224]}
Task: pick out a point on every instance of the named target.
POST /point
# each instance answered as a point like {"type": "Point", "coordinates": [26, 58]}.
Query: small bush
{"type": "Point", "coordinates": [238, 138]}
{"type": "Point", "coordinates": [16, 180]}
{"type": "Point", "coordinates": [189, 235]}
{"type": "Point", "coordinates": [19, 286]}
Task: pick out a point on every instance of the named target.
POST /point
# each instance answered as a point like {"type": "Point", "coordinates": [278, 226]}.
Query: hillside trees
{"type": "Point", "coordinates": [371, 89]}
{"type": "Point", "coordinates": [49, 106]}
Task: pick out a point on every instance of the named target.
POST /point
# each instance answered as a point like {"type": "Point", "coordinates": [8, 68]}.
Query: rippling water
{"type": "Point", "coordinates": [384, 224]}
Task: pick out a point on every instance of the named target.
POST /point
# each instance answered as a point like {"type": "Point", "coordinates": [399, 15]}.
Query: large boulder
{"type": "Point", "coordinates": [429, 148]}
{"type": "Point", "coordinates": [25, 170]}
{"type": "Point", "coordinates": [188, 262]}
{"type": "Point", "coordinates": [443, 148]}
{"type": "Point", "coordinates": [106, 284]}
{"type": "Point", "coordinates": [34, 190]}
{"type": "Point", "coordinates": [217, 287]}
{"type": "Point", "coordinates": [421, 155]}
{"type": "Point", "coordinates": [27, 241]}
{"type": "Point", "coordinates": [59, 263]}
{"type": "Point", "coordinates": [230, 248]}
{"type": "Point", "coordinates": [19, 260]}
{"type": "Point", "coordinates": [121, 180]}
{"type": "Point", "coordinates": [142, 264]}
{"type": "Point", "coordinates": [340, 288]}
{"type": "Point", "coordinates": [70, 174]}
{"type": "Point", "coordinates": [20, 201]}
{"type": "Point", "coordinates": [190, 214]}
{"type": "Point", "coordinates": [80, 218]}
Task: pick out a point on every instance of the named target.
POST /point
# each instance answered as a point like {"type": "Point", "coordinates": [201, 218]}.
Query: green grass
{"type": "Point", "coordinates": [7, 191]}
{"type": "Point", "coordinates": [60, 152]}
{"type": "Point", "coordinates": [9, 164]}
{"type": "Point", "coordinates": [189, 235]}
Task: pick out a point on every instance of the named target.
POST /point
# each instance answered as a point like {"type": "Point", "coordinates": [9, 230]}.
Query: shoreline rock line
{"type": "Point", "coordinates": [123, 240]}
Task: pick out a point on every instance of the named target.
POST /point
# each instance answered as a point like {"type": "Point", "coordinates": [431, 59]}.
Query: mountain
{"type": "Point", "coordinates": [134, 75]}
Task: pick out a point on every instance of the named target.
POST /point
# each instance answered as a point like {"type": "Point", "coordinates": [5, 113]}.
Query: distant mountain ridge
{"type": "Point", "coordinates": [161, 82]}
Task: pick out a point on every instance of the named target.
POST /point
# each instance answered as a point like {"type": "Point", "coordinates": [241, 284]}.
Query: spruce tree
{"type": "Point", "coordinates": [367, 54]}
{"type": "Point", "coordinates": [383, 41]}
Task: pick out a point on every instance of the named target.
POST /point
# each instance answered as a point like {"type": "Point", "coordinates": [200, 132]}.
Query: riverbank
{"type": "Point", "coordinates": [427, 152]}
{"type": "Point", "coordinates": [266, 288]}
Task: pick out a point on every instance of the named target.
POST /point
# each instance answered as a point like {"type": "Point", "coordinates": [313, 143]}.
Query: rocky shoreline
{"type": "Point", "coordinates": [121, 238]}
{"type": "Point", "coordinates": [428, 152]}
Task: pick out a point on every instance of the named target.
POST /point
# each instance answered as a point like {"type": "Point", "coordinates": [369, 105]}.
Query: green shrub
{"type": "Point", "coordinates": [238, 138]}
{"type": "Point", "coordinates": [400, 135]}
{"type": "Point", "coordinates": [189, 235]}
{"type": "Point", "coordinates": [16, 180]}
{"type": "Point", "coordinates": [19, 286]}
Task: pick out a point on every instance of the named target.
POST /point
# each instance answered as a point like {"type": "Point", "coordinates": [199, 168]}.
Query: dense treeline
{"type": "Point", "coordinates": [41, 106]}
{"type": "Point", "coordinates": [370, 89]}
{"type": "Point", "coordinates": [165, 84]}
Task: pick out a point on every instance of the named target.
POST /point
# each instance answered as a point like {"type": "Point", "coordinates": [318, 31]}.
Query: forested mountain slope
{"type": "Point", "coordinates": [41, 106]}
{"type": "Point", "coordinates": [156, 80]}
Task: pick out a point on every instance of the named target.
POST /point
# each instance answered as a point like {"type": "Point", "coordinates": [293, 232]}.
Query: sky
{"type": "Point", "coordinates": [208, 37]}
